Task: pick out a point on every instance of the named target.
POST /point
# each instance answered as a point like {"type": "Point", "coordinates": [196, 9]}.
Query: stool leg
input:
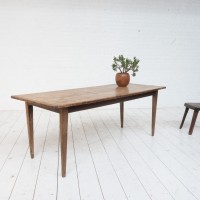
{"type": "Point", "coordinates": [195, 114]}
{"type": "Point", "coordinates": [184, 116]}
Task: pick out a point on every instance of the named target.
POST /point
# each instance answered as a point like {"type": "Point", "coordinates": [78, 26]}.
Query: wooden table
{"type": "Point", "coordinates": [67, 101]}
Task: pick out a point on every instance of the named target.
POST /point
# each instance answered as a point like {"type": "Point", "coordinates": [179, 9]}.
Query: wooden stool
{"type": "Point", "coordinates": [196, 108]}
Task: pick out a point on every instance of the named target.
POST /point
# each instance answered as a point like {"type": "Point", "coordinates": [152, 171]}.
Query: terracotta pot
{"type": "Point", "coordinates": [122, 79]}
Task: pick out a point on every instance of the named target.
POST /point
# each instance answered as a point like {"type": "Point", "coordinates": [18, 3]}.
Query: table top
{"type": "Point", "coordinates": [81, 96]}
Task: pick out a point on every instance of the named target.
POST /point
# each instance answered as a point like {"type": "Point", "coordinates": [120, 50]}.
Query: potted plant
{"type": "Point", "coordinates": [124, 65]}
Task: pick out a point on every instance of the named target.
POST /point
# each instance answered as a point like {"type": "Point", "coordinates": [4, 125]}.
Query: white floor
{"type": "Point", "coordinates": [104, 161]}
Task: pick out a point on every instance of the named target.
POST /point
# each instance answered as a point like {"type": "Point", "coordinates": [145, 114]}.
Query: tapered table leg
{"type": "Point", "coordinates": [184, 116]}
{"type": "Point", "coordinates": [63, 139]}
{"type": "Point", "coordinates": [29, 117]}
{"type": "Point", "coordinates": [154, 107]}
{"type": "Point", "coordinates": [122, 114]}
{"type": "Point", "coordinates": [195, 114]}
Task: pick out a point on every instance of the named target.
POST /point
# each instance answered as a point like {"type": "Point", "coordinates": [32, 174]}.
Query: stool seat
{"type": "Point", "coordinates": [194, 106]}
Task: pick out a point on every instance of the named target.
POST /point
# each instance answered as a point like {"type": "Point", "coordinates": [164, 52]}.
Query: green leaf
{"type": "Point", "coordinates": [124, 65]}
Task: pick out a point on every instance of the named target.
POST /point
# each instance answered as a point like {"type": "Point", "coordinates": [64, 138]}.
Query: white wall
{"type": "Point", "coordinates": [57, 44]}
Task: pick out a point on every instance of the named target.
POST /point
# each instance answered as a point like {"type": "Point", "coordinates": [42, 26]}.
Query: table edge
{"type": "Point", "coordinates": [85, 103]}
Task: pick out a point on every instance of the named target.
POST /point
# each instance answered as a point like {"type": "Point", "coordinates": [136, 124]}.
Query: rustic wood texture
{"type": "Point", "coordinates": [67, 101]}
{"type": "Point", "coordinates": [154, 106]}
{"type": "Point", "coordinates": [108, 102]}
{"type": "Point", "coordinates": [29, 117]}
{"type": "Point", "coordinates": [122, 114]}
{"type": "Point", "coordinates": [81, 96]}
{"type": "Point", "coordinates": [63, 139]}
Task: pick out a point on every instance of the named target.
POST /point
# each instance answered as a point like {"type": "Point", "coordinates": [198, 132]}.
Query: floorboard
{"type": "Point", "coordinates": [103, 160]}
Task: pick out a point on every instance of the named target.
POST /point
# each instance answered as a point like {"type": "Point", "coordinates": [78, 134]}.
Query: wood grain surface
{"type": "Point", "coordinates": [81, 96]}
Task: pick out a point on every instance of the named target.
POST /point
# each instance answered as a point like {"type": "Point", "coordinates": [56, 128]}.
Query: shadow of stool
{"type": "Point", "coordinates": [196, 108]}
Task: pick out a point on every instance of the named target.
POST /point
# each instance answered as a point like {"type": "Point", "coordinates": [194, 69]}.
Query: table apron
{"type": "Point", "coordinates": [44, 107]}
{"type": "Point", "coordinates": [107, 102]}
{"type": "Point", "coordinates": [93, 105]}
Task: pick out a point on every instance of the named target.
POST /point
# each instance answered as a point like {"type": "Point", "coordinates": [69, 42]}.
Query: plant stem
{"type": "Point", "coordinates": [120, 70]}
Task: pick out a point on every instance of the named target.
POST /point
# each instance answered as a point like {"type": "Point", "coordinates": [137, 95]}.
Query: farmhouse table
{"type": "Point", "coordinates": [67, 101]}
